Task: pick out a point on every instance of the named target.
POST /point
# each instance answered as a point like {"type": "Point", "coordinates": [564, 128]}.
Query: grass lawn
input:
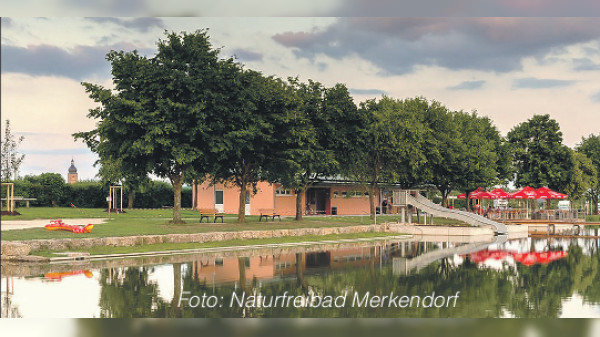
{"type": "Point", "coordinates": [103, 250]}
{"type": "Point", "coordinates": [592, 218]}
{"type": "Point", "coordinates": [153, 222]}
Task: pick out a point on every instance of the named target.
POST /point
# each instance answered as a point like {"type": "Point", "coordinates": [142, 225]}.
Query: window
{"type": "Point", "coordinates": [281, 191]}
{"type": "Point", "coordinates": [219, 197]}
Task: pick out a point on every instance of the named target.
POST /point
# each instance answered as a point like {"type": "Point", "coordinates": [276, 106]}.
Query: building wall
{"type": "Point", "coordinates": [263, 199]}
{"type": "Point", "coordinates": [284, 204]}
{"type": "Point", "coordinates": [350, 205]}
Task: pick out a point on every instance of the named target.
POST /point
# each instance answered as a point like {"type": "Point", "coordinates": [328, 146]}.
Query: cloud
{"type": "Point", "coordinates": [367, 92]}
{"type": "Point", "coordinates": [6, 22]}
{"type": "Point", "coordinates": [585, 64]}
{"type": "Point", "coordinates": [398, 45]}
{"type": "Point", "coordinates": [468, 85]}
{"type": "Point", "coordinates": [596, 97]}
{"type": "Point", "coordinates": [140, 24]}
{"type": "Point", "coordinates": [45, 60]}
{"type": "Point", "coordinates": [247, 55]}
{"type": "Point", "coordinates": [539, 83]}
{"type": "Point", "coordinates": [40, 60]}
{"type": "Point", "coordinates": [466, 8]}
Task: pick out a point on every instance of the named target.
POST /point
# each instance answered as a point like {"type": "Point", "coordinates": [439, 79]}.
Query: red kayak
{"type": "Point", "coordinates": [59, 225]}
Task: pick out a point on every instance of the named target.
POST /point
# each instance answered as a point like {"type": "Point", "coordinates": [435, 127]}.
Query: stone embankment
{"type": "Point", "coordinates": [20, 250]}
{"type": "Point", "coordinates": [15, 250]}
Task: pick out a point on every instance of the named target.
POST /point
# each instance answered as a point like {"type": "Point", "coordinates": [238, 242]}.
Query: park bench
{"type": "Point", "coordinates": [268, 213]}
{"type": "Point", "coordinates": [210, 212]}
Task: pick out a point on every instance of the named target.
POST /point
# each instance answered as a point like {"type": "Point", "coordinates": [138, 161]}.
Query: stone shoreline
{"type": "Point", "coordinates": [20, 250]}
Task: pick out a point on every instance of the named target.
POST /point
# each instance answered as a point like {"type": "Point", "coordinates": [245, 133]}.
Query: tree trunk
{"type": "Point", "coordinates": [242, 207]}
{"type": "Point", "coordinates": [176, 290]}
{"type": "Point", "coordinates": [242, 272]}
{"type": "Point", "coordinates": [372, 208]}
{"type": "Point", "coordinates": [299, 210]}
{"type": "Point", "coordinates": [130, 198]}
{"type": "Point", "coordinates": [177, 181]}
{"type": "Point", "coordinates": [468, 201]}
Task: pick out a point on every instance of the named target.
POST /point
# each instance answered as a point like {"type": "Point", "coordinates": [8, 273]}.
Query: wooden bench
{"type": "Point", "coordinates": [266, 213]}
{"type": "Point", "coordinates": [210, 212]}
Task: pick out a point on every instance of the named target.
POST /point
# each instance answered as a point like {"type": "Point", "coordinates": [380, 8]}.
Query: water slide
{"type": "Point", "coordinates": [426, 205]}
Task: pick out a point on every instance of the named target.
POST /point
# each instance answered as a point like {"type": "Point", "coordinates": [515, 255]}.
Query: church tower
{"type": "Point", "coordinates": [72, 176]}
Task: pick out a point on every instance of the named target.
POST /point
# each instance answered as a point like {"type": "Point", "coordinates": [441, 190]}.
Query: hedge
{"type": "Point", "coordinates": [50, 191]}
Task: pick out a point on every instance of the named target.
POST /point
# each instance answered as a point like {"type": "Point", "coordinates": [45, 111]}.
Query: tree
{"type": "Point", "coordinates": [386, 152]}
{"type": "Point", "coordinates": [484, 155]}
{"type": "Point", "coordinates": [539, 157]}
{"type": "Point", "coordinates": [47, 188]}
{"type": "Point", "coordinates": [590, 146]}
{"type": "Point", "coordinates": [246, 142]}
{"type": "Point", "coordinates": [308, 133]}
{"type": "Point", "coordinates": [116, 171]}
{"type": "Point", "coordinates": [11, 158]}
{"type": "Point", "coordinates": [156, 118]}
{"type": "Point", "coordinates": [583, 176]}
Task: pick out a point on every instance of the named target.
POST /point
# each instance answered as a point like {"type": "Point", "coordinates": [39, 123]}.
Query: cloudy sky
{"type": "Point", "coordinates": [508, 68]}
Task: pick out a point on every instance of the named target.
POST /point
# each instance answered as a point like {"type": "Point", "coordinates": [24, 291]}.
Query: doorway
{"type": "Point", "coordinates": [318, 201]}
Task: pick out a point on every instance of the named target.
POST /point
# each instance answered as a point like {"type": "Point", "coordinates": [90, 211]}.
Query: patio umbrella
{"type": "Point", "coordinates": [475, 194]}
{"type": "Point", "coordinates": [546, 193]}
{"type": "Point", "coordinates": [529, 259]}
{"type": "Point", "coordinates": [525, 193]}
{"type": "Point", "coordinates": [486, 255]}
{"type": "Point", "coordinates": [500, 193]}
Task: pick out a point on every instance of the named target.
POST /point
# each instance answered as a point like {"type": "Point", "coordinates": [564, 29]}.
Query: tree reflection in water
{"type": "Point", "coordinates": [513, 290]}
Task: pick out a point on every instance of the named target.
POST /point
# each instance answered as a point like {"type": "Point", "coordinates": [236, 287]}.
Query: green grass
{"type": "Point", "coordinates": [33, 213]}
{"type": "Point", "coordinates": [155, 222]}
{"type": "Point", "coordinates": [103, 250]}
{"type": "Point", "coordinates": [592, 218]}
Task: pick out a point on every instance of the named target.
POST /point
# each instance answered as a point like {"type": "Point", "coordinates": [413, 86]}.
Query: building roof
{"type": "Point", "coordinates": [72, 169]}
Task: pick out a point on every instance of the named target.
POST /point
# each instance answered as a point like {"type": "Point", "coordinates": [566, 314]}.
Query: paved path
{"type": "Point", "coordinates": [7, 225]}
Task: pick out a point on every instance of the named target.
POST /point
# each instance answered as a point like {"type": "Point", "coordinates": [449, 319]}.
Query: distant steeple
{"type": "Point", "coordinates": [72, 176]}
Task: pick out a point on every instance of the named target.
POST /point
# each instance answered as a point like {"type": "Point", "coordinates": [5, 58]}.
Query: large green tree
{"type": "Point", "coordinates": [483, 157]}
{"type": "Point", "coordinates": [539, 157]}
{"type": "Point", "coordinates": [155, 118]}
{"type": "Point", "coordinates": [246, 142]}
{"type": "Point", "coordinates": [590, 146]}
{"type": "Point", "coordinates": [309, 134]}
{"type": "Point", "coordinates": [387, 151]}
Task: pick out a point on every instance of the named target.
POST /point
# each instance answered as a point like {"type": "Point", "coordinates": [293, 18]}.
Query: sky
{"type": "Point", "coordinates": [505, 59]}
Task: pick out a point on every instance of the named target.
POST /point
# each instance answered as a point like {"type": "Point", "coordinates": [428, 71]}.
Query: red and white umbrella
{"type": "Point", "coordinates": [500, 193]}
{"type": "Point", "coordinates": [525, 193]}
{"type": "Point", "coordinates": [546, 193]}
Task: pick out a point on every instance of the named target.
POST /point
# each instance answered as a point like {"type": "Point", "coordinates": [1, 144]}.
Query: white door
{"type": "Point", "coordinates": [219, 201]}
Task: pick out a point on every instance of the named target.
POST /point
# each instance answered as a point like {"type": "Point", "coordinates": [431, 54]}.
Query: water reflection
{"type": "Point", "coordinates": [493, 280]}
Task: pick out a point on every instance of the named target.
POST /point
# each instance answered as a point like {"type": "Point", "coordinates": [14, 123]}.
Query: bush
{"type": "Point", "coordinates": [86, 195]}
{"type": "Point", "coordinates": [51, 190]}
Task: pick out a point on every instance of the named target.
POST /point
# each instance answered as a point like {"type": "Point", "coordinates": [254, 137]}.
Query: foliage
{"type": "Point", "coordinates": [11, 159]}
{"type": "Point", "coordinates": [308, 135]}
{"type": "Point", "coordinates": [389, 148]}
{"type": "Point", "coordinates": [483, 160]}
{"type": "Point", "coordinates": [583, 176]}
{"type": "Point", "coordinates": [155, 121]}
{"type": "Point", "coordinates": [48, 188]}
{"type": "Point", "coordinates": [539, 157]}
{"type": "Point", "coordinates": [590, 146]}
{"type": "Point", "coordinates": [246, 142]}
